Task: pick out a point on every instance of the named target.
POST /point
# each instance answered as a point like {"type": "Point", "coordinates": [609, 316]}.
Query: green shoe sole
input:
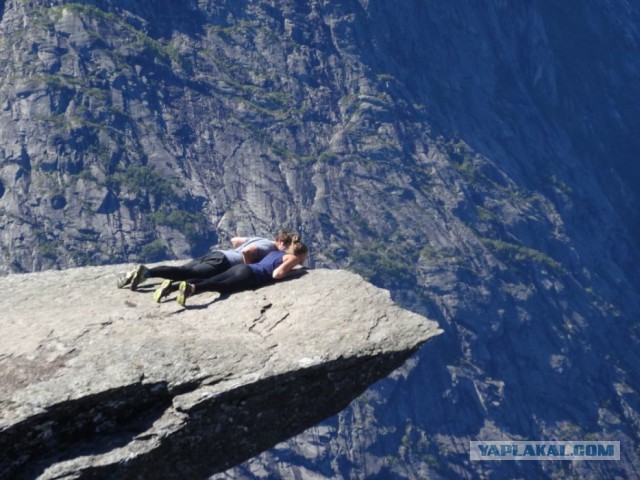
{"type": "Point", "coordinates": [164, 290]}
{"type": "Point", "coordinates": [183, 293]}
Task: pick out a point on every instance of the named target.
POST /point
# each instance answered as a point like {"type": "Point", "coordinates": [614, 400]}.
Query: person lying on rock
{"type": "Point", "coordinates": [245, 250]}
{"type": "Point", "coordinates": [275, 266]}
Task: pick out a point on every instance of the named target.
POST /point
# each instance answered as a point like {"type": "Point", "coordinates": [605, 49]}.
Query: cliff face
{"type": "Point", "coordinates": [476, 158]}
{"type": "Point", "coordinates": [120, 387]}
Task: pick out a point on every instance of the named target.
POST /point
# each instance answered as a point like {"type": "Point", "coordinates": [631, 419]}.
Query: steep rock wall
{"type": "Point", "coordinates": [477, 158]}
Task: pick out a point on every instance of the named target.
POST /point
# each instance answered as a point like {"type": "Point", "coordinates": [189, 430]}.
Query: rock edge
{"type": "Point", "coordinates": [100, 382]}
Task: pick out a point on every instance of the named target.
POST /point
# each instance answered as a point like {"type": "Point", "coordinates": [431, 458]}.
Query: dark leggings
{"type": "Point", "coordinates": [203, 267]}
{"type": "Point", "coordinates": [236, 279]}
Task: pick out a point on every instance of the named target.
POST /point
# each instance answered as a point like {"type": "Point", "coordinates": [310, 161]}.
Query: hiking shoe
{"type": "Point", "coordinates": [140, 274]}
{"type": "Point", "coordinates": [165, 289]}
{"type": "Point", "coordinates": [125, 278]}
{"type": "Point", "coordinates": [184, 292]}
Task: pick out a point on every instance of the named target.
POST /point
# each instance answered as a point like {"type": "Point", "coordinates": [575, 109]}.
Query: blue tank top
{"type": "Point", "coordinates": [263, 270]}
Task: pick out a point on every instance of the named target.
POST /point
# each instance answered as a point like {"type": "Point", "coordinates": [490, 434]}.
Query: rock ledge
{"type": "Point", "coordinates": [101, 383]}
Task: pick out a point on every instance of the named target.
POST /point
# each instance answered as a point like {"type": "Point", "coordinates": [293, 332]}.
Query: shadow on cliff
{"type": "Point", "coordinates": [300, 272]}
{"type": "Point", "coordinates": [227, 429]}
{"type": "Point", "coordinates": [297, 273]}
{"type": "Point", "coordinates": [87, 426]}
{"type": "Point", "coordinates": [239, 424]}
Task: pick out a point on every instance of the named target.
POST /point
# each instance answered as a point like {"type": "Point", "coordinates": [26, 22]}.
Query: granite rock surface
{"type": "Point", "coordinates": [103, 383]}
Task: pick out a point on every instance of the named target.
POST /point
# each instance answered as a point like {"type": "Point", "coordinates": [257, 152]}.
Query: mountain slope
{"type": "Point", "coordinates": [476, 159]}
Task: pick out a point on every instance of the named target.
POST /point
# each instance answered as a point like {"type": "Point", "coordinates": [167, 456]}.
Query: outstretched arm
{"type": "Point", "coordinates": [288, 263]}
{"type": "Point", "coordinates": [237, 241]}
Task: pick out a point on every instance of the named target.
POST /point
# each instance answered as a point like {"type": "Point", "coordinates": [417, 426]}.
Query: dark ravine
{"type": "Point", "coordinates": [477, 159]}
{"type": "Point", "coordinates": [121, 387]}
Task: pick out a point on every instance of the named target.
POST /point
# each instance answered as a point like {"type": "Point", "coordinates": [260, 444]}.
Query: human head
{"type": "Point", "coordinates": [283, 241]}
{"type": "Point", "coordinates": [298, 248]}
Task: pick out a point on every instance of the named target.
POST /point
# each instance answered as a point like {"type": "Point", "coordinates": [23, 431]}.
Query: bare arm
{"type": "Point", "coordinates": [237, 241]}
{"type": "Point", "coordinates": [251, 254]}
{"type": "Point", "coordinates": [288, 263]}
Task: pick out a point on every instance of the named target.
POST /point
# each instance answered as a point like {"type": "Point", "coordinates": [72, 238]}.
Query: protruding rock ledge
{"type": "Point", "coordinates": [103, 383]}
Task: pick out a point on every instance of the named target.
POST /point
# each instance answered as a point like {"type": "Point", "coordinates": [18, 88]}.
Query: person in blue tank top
{"type": "Point", "coordinates": [244, 250]}
{"type": "Point", "coordinates": [275, 266]}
